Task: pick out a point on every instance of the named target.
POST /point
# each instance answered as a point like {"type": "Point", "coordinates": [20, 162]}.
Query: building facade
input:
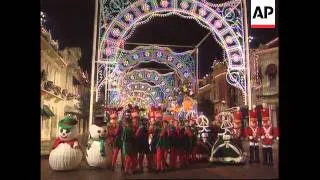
{"type": "Point", "coordinates": [215, 88]}
{"type": "Point", "coordinates": [62, 83]}
{"type": "Point", "coordinates": [264, 63]}
{"type": "Point", "coordinates": [224, 95]}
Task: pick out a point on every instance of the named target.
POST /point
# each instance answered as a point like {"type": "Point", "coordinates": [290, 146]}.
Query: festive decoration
{"type": "Point", "coordinates": [253, 134]}
{"type": "Point", "coordinates": [66, 153]}
{"type": "Point", "coordinates": [188, 104]}
{"type": "Point", "coordinates": [224, 20]}
{"type": "Point", "coordinates": [225, 150]}
{"type": "Point", "coordinates": [203, 125]}
{"type": "Point", "coordinates": [98, 155]}
{"type": "Point", "coordinates": [268, 135]}
{"type": "Point", "coordinates": [166, 81]}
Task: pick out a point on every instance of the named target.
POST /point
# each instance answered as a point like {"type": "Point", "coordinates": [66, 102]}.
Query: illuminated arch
{"type": "Point", "coordinates": [146, 87]}
{"type": "Point", "coordinates": [166, 82]}
{"type": "Point", "coordinates": [149, 97]}
{"type": "Point", "coordinates": [182, 63]}
{"type": "Point", "coordinates": [225, 21]}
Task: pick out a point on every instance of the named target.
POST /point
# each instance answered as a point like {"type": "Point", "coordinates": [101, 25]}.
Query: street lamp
{"type": "Point", "coordinates": [42, 18]}
{"type": "Point", "coordinates": [250, 39]}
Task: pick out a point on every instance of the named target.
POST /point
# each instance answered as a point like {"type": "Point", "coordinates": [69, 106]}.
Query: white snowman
{"type": "Point", "coordinates": [66, 153]}
{"type": "Point", "coordinates": [97, 151]}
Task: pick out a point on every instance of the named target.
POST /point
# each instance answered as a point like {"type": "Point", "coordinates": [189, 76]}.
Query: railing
{"type": "Point", "coordinates": [270, 90]}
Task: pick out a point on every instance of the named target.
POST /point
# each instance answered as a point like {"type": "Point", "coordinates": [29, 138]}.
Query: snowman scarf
{"type": "Point", "coordinates": [101, 144]}
{"type": "Point", "coordinates": [59, 141]}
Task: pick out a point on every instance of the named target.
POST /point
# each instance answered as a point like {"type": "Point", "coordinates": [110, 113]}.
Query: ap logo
{"type": "Point", "coordinates": [263, 14]}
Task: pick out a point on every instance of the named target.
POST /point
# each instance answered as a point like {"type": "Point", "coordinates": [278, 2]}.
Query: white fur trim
{"type": "Point", "coordinates": [266, 146]}
{"type": "Point", "coordinates": [262, 137]}
{"type": "Point", "coordinates": [253, 144]}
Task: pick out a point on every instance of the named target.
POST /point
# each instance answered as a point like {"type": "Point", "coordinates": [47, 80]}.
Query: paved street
{"type": "Point", "coordinates": [196, 171]}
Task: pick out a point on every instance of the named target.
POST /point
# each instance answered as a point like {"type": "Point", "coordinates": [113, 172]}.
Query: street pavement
{"type": "Point", "coordinates": [194, 171]}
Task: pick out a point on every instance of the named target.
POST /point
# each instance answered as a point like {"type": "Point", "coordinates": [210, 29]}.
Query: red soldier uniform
{"type": "Point", "coordinates": [268, 134]}
{"type": "Point", "coordinates": [252, 132]}
{"type": "Point", "coordinates": [237, 131]}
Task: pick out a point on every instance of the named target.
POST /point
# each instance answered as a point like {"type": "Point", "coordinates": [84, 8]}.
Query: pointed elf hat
{"type": "Point", "coordinates": [67, 123]}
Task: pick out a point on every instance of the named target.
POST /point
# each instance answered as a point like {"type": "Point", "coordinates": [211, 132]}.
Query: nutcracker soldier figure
{"type": "Point", "coordinates": [114, 135]}
{"type": "Point", "coordinates": [252, 132]}
{"type": "Point", "coordinates": [238, 133]}
{"type": "Point", "coordinates": [268, 134]}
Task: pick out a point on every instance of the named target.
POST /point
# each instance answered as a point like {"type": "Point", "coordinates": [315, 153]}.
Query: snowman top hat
{"type": "Point", "coordinates": [67, 123]}
{"type": "Point", "coordinates": [99, 121]}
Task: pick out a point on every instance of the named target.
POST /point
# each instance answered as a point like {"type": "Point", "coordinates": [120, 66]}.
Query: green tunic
{"type": "Point", "coordinates": [163, 142]}
{"type": "Point", "coordinates": [118, 142]}
{"type": "Point", "coordinates": [194, 136]}
{"type": "Point", "coordinates": [127, 138]}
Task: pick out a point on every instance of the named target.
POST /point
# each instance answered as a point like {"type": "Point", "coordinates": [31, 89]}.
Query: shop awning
{"type": "Point", "coordinates": [46, 111]}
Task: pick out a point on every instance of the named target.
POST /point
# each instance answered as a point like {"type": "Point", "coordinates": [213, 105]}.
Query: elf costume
{"type": "Point", "coordinates": [128, 140]}
{"type": "Point", "coordinates": [114, 135]}
{"type": "Point", "coordinates": [141, 137]}
{"type": "Point", "coordinates": [153, 131]}
{"type": "Point", "coordinates": [194, 141]}
{"type": "Point", "coordinates": [174, 141]}
{"type": "Point", "coordinates": [162, 146]}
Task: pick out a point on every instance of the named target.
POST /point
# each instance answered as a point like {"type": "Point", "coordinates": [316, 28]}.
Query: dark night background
{"type": "Point", "coordinates": [71, 23]}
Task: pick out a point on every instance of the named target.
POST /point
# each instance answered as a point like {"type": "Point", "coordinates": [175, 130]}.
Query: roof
{"type": "Point", "coordinates": [273, 43]}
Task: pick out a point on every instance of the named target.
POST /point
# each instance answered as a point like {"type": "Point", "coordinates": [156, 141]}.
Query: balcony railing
{"type": "Point", "coordinates": [269, 91]}
{"type": "Point", "coordinates": [48, 88]}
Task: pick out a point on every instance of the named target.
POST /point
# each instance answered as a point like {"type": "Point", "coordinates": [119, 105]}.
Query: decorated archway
{"type": "Point", "coordinates": [165, 82]}
{"type": "Point", "coordinates": [151, 76]}
{"type": "Point", "coordinates": [156, 91]}
{"type": "Point", "coordinates": [139, 100]}
{"type": "Point", "coordinates": [182, 63]}
{"type": "Point", "coordinates": [134, 96]}
{"type": "Point", "coordinates": [120, 17]}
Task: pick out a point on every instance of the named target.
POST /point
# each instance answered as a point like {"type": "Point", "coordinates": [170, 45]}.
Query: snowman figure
{"type": "Point", "coordinates": [96, 146]}
{"type": "Point", "coordinates": [66, 153]}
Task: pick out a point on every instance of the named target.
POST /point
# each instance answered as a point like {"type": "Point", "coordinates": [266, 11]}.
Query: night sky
{"type": "Point", "coordinates": [71, 22]}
